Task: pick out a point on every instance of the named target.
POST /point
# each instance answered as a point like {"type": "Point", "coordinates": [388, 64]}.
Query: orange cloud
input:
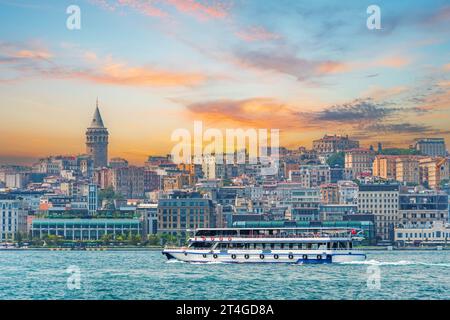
{"type": "Point", "coordinates": [12, 52]}
{"type": "Point", "coordinates": [254, 112]}
{"type": "Point", "coordinates": [393, 61]}
{"type": "Point", "coordinates": [121, 74]}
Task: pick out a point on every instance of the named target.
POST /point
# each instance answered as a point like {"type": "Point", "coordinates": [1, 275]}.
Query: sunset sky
{"type": "Point", "coordinates": [305, 67]}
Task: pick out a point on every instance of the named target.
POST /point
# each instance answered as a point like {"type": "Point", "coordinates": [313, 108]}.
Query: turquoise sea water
{"type": "Point", "coordinates": [148, 275]}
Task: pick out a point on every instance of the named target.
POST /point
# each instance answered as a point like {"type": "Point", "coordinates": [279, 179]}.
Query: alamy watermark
{"type": "Point", "coordinates": [74, 278]}
{"type": "Point", "coordinates": [236, 146]}
{"type": "Point", "coordinates": [73, 21]}
{"type": "Point", "coordinates": [373, 277]}
{"type": "Point", "coordinates": [374, 20]}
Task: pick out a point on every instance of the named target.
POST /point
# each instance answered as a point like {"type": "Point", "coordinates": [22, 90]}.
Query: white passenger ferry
{"type": "Point", "coordinates": [270, 245]}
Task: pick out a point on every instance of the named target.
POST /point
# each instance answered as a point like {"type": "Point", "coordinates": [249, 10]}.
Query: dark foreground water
{"type": "Point", "coordinates": [148, 275]}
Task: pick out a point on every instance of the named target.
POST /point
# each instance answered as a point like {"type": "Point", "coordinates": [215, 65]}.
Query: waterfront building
{"type": "Point", "coordinates": [359, 160]}
{"type": "Point", "coordinates": [97, 137]}
{"type": "Point", "coordinates": [149, 216]}
{"type": "Point", "coordinates": [13, 217]}
{"type": "Point", "coordinates": [436, 233]}
{"type": "Point", "coordinates": [381, 200]}
{"type": "Point", "coordinates": [434, 147]}
{"type": "Point", "coordinates": [179, 211]}
{"type": "Point", "coordinates": [330, 144]}
{"type": "Point", "coordinates": [422, 207]}
{"type": "Point", "coordinates": [85, 229]}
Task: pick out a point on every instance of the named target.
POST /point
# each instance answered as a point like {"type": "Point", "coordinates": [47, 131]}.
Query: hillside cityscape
{"type": "Point", "coordinates": [397, 196]}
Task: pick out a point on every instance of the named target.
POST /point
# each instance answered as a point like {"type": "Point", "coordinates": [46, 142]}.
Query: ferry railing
{"type": "Point", "coordinates": [273, 236]}
{"type": "Point", "coordinates": [270, 249]}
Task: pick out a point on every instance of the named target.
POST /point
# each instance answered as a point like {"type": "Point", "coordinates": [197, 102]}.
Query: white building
{"type": "Point", "coordinates": [348, 192]}
{"type": "Point", "coordinates": [13, 218]}
{"type": "Point", "coordinates": [436, 233]}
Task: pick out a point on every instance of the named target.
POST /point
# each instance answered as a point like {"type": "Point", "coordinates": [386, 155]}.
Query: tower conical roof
{"type": "Point", "coordinates": [97, 121]}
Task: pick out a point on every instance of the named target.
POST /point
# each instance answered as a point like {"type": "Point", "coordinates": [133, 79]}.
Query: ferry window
{"type": "Point", "coordinates": [314, 246]}
{"type": "Point", "coordinates": [282, 246]}
{"type": "Point", "coordinates": [272, 246]}
{"type": "Point", "coordinates": [263, 245]}
{"type": "Point", "coordinates": [291, 245]}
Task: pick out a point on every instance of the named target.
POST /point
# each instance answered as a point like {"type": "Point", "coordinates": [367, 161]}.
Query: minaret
{"type": "Point", "coordinates": [97, 140]}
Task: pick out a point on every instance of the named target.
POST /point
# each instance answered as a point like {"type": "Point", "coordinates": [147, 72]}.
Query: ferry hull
{"type": "Point", "coordinates": [297, 257]}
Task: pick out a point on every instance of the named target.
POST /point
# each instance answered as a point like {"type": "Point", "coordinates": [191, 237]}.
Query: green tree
{"type": "Point", "coordinates": [106, 238]}
{"type": "Point", "coordinates": [336, 159]}
{"type": "Point", "coordinates": [153, 240]}
{"type": "Point", "coordinates": [399, 151]}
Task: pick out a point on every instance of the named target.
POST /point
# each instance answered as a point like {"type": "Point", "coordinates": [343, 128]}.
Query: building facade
{"type": "Point", "coordinates": [420, 208]}
{"type": "Point", "coordinates": [180, 211]}
{"type": "Point", "coordinates": [85, 229]}
{"type": "Point", "coordinates": [434, 147]}
{"type": "Point", "coordinates": [437, 233]}
{"type": "Point", "coordinates": [311, 176]}
{"type": "Point", "coordinates": [381, 200]}
{"type": "Point", "coordinates": [407, 171]}
{"type": "Point", "coordinates": [359, 160]}
{"type": "Point", "coordinates": [13, 218]}
{"type": "Point", "coordinates": [330, 144]}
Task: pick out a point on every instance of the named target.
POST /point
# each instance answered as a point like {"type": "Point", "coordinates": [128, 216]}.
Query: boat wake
{"type": "Point", "coordinates": [395, 263]}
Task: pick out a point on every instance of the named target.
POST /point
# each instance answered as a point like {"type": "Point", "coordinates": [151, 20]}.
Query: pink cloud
{"type": "Point", "coordinates": [201, 9]}
{"type": "Point", "coordinates": [257, 34]}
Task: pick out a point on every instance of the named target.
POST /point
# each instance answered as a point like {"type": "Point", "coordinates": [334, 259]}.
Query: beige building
{"type": "Point", "coordinates": [359, 160]}
{"type": "Point", "coordinates": [407, 170]}
{"type": "Point", "coordinates": [330, 144]}
{"type": "Point", "coordinates": [433, 170]}
{"type": "Point", "coordinates": [384, 166]}
{"type": "Point", "coordinates": [381, 200]}
{"type": "Point", "coordinates": [310, 176]}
